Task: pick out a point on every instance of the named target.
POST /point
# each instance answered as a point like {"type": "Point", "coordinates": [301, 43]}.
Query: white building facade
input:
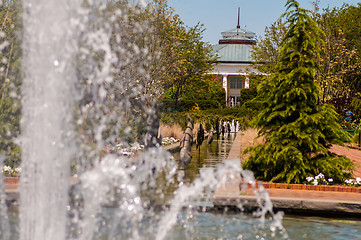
{"type": "Point", "coordinates": [234, 63]}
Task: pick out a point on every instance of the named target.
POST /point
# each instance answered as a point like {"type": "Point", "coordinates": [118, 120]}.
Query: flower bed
{"type": "Point", "coordinates": [321, 180]}
{"type": "Point", "coordinates": [331, 188]}
{"type": "Point", "coordinates": [169, 141]}
{"type": "Point", "coordinates": [9, 172]}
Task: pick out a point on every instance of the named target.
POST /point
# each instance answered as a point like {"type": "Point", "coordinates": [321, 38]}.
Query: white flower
{"type": "Point", "coordinates": [358, 180]}
{"type": "Point", "coordinates": [168, 141]}
{"type": "Point", "coordinates": [125, 153]}
{"type": "Point", "coordinates": [349, 181]}
{"type": "Point", "coordinates": [309, 179]}
{"type": "Point", "coordinates": [315, 182]}
{"type": "Point", "coordinates": [330, 180]}
{"type": "Point", "coordinates": [320, 175]}
{"type": "Point", "coordinates": [7, 168]}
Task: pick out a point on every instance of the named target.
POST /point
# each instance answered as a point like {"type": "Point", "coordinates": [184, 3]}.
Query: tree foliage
{"type": "Point", "coordinates": [265, 53]}
{"type": "Point", "coordinates": [136, 51]}
{"type": "Point", "coordinates": [178, 55]}
{"type": "Point", "coordinates": [205, 92]}
{"type": "Point", "coordinates": [339, 75]}
{"type": "Point", "coordinates": [207, 87]}
{"type": "Point", "coordinates": [249, 96]}
{"type": "Point", "coordinates": [143, 51]}
{"type": "Point", "coordinates": [298, 132]}
{"type": "Point", "coordinates": [348, 19]}
{"type": "Point", "coordinates": [196, 59]}
{"type": "Point", "coordinates": [340, 63]}
{"type": "Point", "coordinates": [10, 81]}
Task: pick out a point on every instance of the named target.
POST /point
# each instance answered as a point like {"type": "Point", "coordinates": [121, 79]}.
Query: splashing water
{"type": "Point", "coordinates": [86, 89]}
{"type": "Point", "coordinates": [4, 220]}
{"type": "Point", "coordinates": [47, 135]}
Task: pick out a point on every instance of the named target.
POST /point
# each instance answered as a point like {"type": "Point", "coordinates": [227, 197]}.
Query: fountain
{"type": "Point", "coordinates": [233, 127]}
{"type": "Point", "coordinates": [85, 96]}
{"type": "Point", "coordinates": [85, 90]}
{"type": "Point", "coordinates": [47, 136]}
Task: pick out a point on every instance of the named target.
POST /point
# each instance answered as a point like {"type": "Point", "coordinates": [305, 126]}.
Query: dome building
{"type": "Point", "coordinates": [234, 63]}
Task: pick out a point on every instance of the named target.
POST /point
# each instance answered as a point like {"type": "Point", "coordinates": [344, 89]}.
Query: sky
{"type": "Point", "coordinates": [221, 15]}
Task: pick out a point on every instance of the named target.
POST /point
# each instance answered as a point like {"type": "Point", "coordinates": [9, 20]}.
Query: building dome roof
{"type": "Point", "coordinates": [233, 53]}
{"type": "Point", "coordinates": [235, 46]}
{"type": "Point", "coordinates": [238, 33]}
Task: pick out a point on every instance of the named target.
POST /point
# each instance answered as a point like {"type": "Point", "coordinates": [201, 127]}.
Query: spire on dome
{"type": "Point", "coordinates": [238, 35]}
{"type": "Point", "coordinates": [238, 26]}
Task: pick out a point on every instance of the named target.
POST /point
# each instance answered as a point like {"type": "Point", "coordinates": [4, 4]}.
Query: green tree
{"type": "Point", "coordinates": [197, 58]}
{"type": "Point", "coordinates": [249, 97]}
{"type": "Point", "coordinates": [207, 89]}
{"type": "Point", "coordinates": [298, 133]}
{"type": "Point", "coordinates": [178, 54]}
{"type": "Point", "coordinates": [265, 53]}
{"type": "Point", "coordinates": [162, 36]}
{"type": "Point", "coordinates": [348, 19]}
{"type": "Point", "coordinates": [150, 51]}
{"type": "Point", "coordinates": [340, 63]}
{"type": "Point", "coordinates": [339, 75]}
{"type": "Point", "coordinates": [10, 81]}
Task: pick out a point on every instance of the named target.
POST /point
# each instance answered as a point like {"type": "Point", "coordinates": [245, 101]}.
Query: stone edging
{"type": "Point", "coordinates": [175, 147]}
{"type": "Point", "coordinates": [311, 207]}
{"type": "Point", "coordinates": [11, 180]}
{"type": "Point", "coordinates": [332, 188]}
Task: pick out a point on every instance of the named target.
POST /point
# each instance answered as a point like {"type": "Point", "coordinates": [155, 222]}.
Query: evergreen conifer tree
{"type": "Point", "coordinates": [298, 132]}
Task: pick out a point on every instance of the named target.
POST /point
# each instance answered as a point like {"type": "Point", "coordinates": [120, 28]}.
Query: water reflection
{"type": "Point", "coordinates": [322, 228]}
{"type": "Point", "coordinates": [207, 156]}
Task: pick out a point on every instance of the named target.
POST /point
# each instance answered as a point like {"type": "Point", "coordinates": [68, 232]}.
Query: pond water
{"type": "Point", "coordinates": [237, 226]}
{"type": "Point", "coordinates": [206, 225]}
{"type": "Point", "coordinates": [207, 155]}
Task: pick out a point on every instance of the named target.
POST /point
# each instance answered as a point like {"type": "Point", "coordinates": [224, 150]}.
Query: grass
{"type": "Point", "coordinates": [174, 131]}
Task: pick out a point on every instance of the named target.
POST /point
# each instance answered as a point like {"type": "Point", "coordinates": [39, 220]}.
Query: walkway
{"type": "Point", "coordinates": [352, 153]}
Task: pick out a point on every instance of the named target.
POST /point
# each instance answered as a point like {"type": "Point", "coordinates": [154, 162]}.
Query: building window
{"type": "Point", "coordinates": [238, 100]}
{"type": "Point", "coordinates": [236, 82]}
{"type": "Point", "coordinates": [234, 101]}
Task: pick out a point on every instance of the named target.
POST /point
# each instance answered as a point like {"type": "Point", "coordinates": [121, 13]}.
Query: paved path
{"type": "Point", "coordinates": [236, 148]}
{"type": "Point", "coordinates": [351, 153]}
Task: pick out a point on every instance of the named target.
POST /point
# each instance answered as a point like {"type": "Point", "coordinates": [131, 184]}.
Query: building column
{"type": "Point", "coordinates": [246, 83]}
{"type": "Point", "coordinates": [225, 86]}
